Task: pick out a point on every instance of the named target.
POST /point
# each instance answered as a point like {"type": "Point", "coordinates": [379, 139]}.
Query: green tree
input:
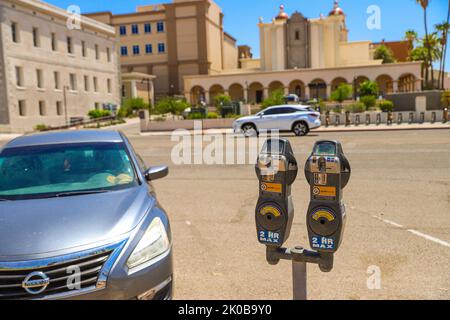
{"type": "Point", "coordinates": [369, 88]}
{"type": "Point", "coordinates": [424, 4]}
{"type": "Point", "coordinates": [342, 93]}
{"type": "Point", "coordinates": [131, 106]}
{"type": "Point", "coordinates": [384, 53]}
{"type": "Point", "coordinates": [221, 100]}
{"type": "Point", "coordinates": [171, 105]}
{"type": "Point", "coordinates": [445, 99]}
{"type": "Point", "coordinates": [443, 28]}
{"type": "Point", "coordinates": [369, 101]}
{"type": "Point", "coordinates": [275, 99]}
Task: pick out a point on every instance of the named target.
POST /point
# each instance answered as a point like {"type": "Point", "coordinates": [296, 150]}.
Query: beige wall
{"type": "Point", "coordinates": [230, 54]}
{"type": "Point", "coordinates": [273, 45]}
{"type": "Point", "coordinates": [306, 76]}
{"type": "Point", "coordinates": [30, 58]}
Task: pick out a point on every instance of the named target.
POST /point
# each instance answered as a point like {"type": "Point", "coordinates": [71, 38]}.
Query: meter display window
{"type": "Point", "coordinates": [325, 149]}
{"type": "Point", "coordinates": [277, 148]}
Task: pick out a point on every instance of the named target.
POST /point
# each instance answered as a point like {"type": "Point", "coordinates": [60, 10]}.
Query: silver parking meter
{"type": "Point", "coordinates": [328, 172]}
{"type": "Point", "coordinates": [276, 169]}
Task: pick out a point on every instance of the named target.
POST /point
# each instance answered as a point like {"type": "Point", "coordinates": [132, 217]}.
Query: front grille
{"type": "Point", "coordinates": [91, 265]}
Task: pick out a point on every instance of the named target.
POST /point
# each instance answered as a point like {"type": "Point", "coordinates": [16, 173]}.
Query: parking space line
{"type": "Point", "coordinates": [417, 233]}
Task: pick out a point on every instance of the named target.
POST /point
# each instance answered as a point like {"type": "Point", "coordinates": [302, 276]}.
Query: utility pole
{"type": "Point", "coordinates": [65, 104]}
{"type": "Point", "coordinates": [149, 96]}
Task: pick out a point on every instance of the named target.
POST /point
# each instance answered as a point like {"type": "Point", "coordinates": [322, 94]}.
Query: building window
{"type": "Point", "coordinates": [148, 48]}
{"type": "Point", "coordinates": [297, 35]}
{"type": "Point", "coordinates": [136, 50]}
{"type": "Point", "coordinates": [57, 80]}
{"type": "Point", "coordinates": [22, 108]}
{"type": "Point", "coordinates": [97, 106]}
{"type": "Point", "coordinates": [59, 108]}
{"type": "Point", "coordinates": [39, 79]}
{"type": "Point", "coordinates": [19, 76]}
{"type": "Point", "coordinates": [108, 54]}
{"type": "Point", "coordinates": [161, 48]}
{"type": "Point", "coordinates": [95, 84]}
{"type": "Point", "coordinates": [97, 52]}
{"type": "Point", "coordinates": [69, 45]}
{"type": "Point", "coordinates": [42, 108]}
{"type": "Point", "coordinates": [108, 84]}
{"type": "Point", "coordinates": [124, 51]}
{"type": "Point", "coordinates": [73, 82]}
{"type": "Point", "coordinates": [148, 28]}
{"type": "Point", "coordinates": [14, 32]}
{"type": "Point", "coordinates": [134, 29]}
{"type": "Point", "coordinates": [86, 83]}
{"type": "Point", "coordinates": [123, 30]}
{"type": "Point", "coordinates": [160, 26]}
{"type": "Point", "coordinates": [36, 37]}
{"type": "Point", "coordinates": [83, 48]}
{"type": "Point", "coordinates": [54, 42]}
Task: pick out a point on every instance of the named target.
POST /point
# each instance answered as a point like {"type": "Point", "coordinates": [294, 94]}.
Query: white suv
{"type": "Point", "coordinates": [286, 118]}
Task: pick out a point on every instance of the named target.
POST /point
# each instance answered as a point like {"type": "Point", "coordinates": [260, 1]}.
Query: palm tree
{"type": "Point", "coordinates": [424, 5]}
{"type": "Point", "coordinates": [411, 36]}
{"type": "Point", "coordinates": [443, 28]}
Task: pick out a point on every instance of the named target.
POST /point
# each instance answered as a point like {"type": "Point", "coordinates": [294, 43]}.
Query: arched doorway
{"type": "Point", "coordinates": [407, 83]}
{"type": "Point", "coordinates": [386, 84]}
{"type": "Point", "coordinates": [236, 92]}
{"type": "Point", "coordinates": [255, 92]}
{"type": "Point", "coordinates": [318, 89]}
{"type": "Point", "coordinates": [197, 95]}
{"type": "Point", "coordinates": [337, 82]}
{"type": "Point", "coordinates": [297, 87]}
{"type": "Point", "coordinates": [214, 91]}
{"type": "Point", "coordinates": [274, 86]}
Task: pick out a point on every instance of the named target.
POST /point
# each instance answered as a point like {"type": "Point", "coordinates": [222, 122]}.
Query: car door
{"type": "Point", "coordinates": [268, 119]}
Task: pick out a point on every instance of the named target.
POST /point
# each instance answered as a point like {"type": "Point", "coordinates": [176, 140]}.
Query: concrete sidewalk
{"type": "Point", "coordinates": [323, 129]}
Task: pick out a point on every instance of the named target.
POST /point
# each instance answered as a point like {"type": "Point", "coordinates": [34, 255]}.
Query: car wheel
{"type": "Point", "coordinates": [300, 129]}
{"type": "Point", "coordinates": [249, 130]}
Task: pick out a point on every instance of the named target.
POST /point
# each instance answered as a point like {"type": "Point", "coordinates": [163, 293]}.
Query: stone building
{"type": "Point", "coordinates": [306, 57]}
{"type": "Point", "coordinates": [49, 73]}
{"type": "Point", "coordinates": [173, 40]}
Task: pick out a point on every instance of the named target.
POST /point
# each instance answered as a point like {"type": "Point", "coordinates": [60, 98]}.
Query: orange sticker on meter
{"type": "Point", "coordinates": [272, 187]}
{"type": "Point", "coordinates": [324, 191]}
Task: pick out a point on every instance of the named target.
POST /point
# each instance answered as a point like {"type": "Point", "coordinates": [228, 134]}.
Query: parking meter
{"type": "Point", "coordinates": [328, 172]}
{"type": "Point", "coordinates": [276, 169]}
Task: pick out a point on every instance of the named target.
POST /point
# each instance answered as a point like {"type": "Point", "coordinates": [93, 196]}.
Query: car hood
{"type": "Point", "coordinates": [37, 227]}
{"type": "Point", "coordinates": [246, 118]}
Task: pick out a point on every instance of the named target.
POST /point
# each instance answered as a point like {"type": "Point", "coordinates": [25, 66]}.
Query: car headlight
{"type": "Point", "coordinates": [154, 243]}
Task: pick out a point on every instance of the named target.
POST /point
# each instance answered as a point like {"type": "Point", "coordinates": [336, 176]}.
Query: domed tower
{"type": "Point", "coordinates": [282, 15]}
{"type": "Point", "coordinates": [338, 12]}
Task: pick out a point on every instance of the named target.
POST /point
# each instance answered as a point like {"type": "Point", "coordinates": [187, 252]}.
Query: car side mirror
{"type": "Point", "coordinates": [155, 173]}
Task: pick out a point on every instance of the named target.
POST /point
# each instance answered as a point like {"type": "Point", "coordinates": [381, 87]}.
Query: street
{"type": "Point", "coordinates": [398, 205]}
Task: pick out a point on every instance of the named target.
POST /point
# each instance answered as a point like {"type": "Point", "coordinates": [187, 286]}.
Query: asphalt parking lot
{"type": "Point", "coordinates": [398, 201]}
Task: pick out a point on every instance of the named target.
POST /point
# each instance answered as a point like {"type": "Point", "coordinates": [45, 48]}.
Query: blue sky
{"type": "Point", "coordinates": [241, 16]}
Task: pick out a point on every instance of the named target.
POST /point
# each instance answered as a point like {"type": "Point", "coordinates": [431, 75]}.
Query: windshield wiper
{"type": "Point", "coordinates": [5, 200]}
{"type": "Point", "coordinates": [79, 193]}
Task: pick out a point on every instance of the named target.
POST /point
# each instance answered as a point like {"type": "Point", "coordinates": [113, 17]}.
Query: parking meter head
{"type": "Point", "coordinates": [276, 169]}
{"type": "Point", "coordinates": [328, 171]}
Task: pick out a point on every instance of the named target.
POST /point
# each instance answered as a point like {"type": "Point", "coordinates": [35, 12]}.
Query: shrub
{"type": "Point", "coordinates": [212, 115]}
{"type": "Point", "coordinates": [369, 88]}
{"type": "Point", "coordinates": [445, 99]}
{"type": "Point", "coordinates": [41, 127]}
{"type": "Point", "coordinates": [233, 116]}
{"type": "Point", "coordinates": [386, 105]}
{"type": "Point", "coordinates": [221, 100]}
{"type": "Point", "coordinates": [131, 106]}
{"type": "Point", "coordinates": [357, 107]}
{"type": "Point", "coordinates": [369, 101]}
{"type": "Point", "coordinates": [337, 109]}
{"type": "Point", "coordinates": [171, 105]}
{"type": "Point", "coordinates": [275, 99]}
{"type": "Point", "coordinates": [99, 113]}
{"type": "Point", "coordinates": [342, 93]}
{"type": "Point", "coordinates": [196, 116]}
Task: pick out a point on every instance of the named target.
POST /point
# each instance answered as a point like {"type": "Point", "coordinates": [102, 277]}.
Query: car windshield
{"type": "Point", "coordinates": [56, 170]}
